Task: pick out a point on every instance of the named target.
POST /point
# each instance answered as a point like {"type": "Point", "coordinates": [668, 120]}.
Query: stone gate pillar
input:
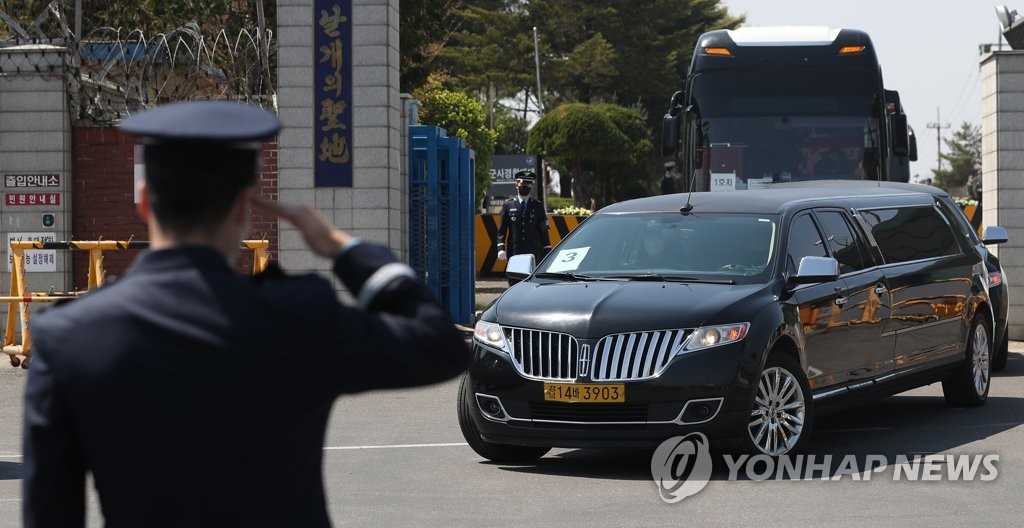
{"type": "Point", "coordinates": [341, 147]}
{"type": "Point", "coordinates": [1002, 151]}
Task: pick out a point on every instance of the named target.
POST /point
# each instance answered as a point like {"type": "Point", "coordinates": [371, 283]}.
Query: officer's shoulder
{"type": "Point", "coordinates": [274, 282]}
{"type": "Point", "coordinates": [275, 276]}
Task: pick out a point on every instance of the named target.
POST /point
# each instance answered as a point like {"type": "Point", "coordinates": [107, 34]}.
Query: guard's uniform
{"type": "Point", "coordinates": [196, 396]}
{"type": "Point", "coordinates": [526, 227]}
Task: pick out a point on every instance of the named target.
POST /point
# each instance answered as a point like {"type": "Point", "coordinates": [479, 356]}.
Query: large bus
{"type": "Point", "coordinates": [764, 105]}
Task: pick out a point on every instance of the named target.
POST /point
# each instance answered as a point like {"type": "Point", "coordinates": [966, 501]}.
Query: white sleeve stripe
{"type": "Point", "coordinates": [381, 278]}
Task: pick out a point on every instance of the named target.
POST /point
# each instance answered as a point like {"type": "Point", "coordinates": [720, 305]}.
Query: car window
{"type": "Point", "coordinates": [733, 246]}
{"type": "Point", "coordinates": [804, 241]}
{"type": "Point", "coordinates": [842, 242]}
{"type": "Point", "coordinates": [910, 233]}
{"type": "Point", "coordinates": [961, 224]}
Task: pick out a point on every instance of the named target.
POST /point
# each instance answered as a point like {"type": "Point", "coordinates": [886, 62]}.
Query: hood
{"type": "Point", "coordinates": [590, 310]}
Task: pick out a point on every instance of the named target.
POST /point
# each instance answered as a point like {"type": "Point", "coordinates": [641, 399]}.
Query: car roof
{"type": "Point", "coordinates": [780, 197]}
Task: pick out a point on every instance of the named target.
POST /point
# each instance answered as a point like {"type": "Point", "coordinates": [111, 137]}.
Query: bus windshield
{"type": "Point", "coordinates": [757, 126]}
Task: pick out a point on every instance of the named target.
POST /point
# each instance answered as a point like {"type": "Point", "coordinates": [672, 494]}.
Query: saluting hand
{"type": "Point", "coordinates": [320, 235]}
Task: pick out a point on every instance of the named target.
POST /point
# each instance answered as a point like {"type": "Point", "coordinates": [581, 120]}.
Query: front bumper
{"type": "Point", "coordinates": [701, 391]}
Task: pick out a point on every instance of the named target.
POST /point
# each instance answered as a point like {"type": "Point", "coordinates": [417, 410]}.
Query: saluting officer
{"type": "Point", "coordinates": [196, 396]}
{"type": "Point", "coordinates": [524, 221]}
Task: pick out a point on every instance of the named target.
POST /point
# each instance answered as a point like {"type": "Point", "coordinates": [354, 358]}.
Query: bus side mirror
{"type": "Point", "coordinates": [900, 134]}
{"type": "Point", "coordinates": [670, 127]}
{"type": "Point", "coordinates": [913, 143]}
{"type": "Point", "coordinates": [669, 136]}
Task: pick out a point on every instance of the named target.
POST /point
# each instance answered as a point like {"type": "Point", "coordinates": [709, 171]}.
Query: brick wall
{"type": "Point", "coordinates": [103, 199]}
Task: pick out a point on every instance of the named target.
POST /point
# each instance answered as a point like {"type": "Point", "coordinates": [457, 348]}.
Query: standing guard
{"type": "Point", "coordinates": [525, 222]}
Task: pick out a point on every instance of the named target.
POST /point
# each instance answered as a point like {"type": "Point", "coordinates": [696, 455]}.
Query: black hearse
{"type": "Point", "coordinates": [741, 315]}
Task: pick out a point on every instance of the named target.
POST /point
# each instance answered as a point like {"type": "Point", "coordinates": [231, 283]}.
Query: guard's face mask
{"type": "Point", "coordinates": [524, 191]}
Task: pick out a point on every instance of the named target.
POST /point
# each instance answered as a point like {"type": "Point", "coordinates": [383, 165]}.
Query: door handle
{"type": "Point", "coordinates": [880, 289]}
{"type": "Point", "coordinates": [841, 300]}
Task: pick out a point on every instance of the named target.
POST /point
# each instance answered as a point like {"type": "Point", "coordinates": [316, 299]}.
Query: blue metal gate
{"type": "Point", "coordinates": [441, 211]}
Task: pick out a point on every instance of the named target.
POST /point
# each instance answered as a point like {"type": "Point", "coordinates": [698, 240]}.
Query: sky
{"type": "Point", "coordinates": [928, 50]}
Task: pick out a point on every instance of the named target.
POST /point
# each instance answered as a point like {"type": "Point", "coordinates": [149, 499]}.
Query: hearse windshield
{"type": "Point", "coordinates": [756, 126]}
{"type": "Point", "coordinates": [731, 248]}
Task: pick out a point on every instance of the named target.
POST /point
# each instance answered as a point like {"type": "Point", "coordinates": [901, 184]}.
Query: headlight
{"type": "Point", "coordinates": [995, 278]}
{"type": "Point", "coordinates": [490, 334]}
{"type": "Point", "coordinates": [711, 336]}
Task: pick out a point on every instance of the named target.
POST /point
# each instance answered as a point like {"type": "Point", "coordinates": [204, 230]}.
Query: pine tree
{"type": "Point", "coordinates": [964, 157]}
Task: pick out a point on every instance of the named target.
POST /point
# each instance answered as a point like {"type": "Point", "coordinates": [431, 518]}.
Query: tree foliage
{"type": "Point", "coordinates": [462, 116]}
{"type": "Point", "coordinates": [513, 131]}
{"type": "Point", "coordinates": [964, 158]}
{"type": "Point", "coordinates": [604, 146]}
{"type": "Point", "coordinates": [424, 28]}
{"type": "Point", "coordinates": [627, 53]}
{"type": "Point", "coordinates": [151, 17]}
{"type": "Point", "coordinates": [631, 54]}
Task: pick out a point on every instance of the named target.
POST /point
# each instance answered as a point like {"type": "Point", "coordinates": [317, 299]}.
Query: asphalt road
{"type": "Point", "coordinates": [398, 459]}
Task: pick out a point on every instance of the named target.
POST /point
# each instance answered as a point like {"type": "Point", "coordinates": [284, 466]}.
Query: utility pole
{"type": "Point", "coordinates": [938, 125]}
{"type": "Point", "coordinates": [536, 59]}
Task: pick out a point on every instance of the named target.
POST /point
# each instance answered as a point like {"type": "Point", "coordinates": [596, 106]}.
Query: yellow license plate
{"type": "Point", "coordinates": [585, 393]}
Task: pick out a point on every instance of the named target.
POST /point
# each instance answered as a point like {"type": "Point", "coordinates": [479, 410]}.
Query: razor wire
{"type": "Point", "coordinates": [112, 72]}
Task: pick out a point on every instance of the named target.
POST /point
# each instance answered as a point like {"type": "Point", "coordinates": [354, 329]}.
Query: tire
{"type": "Point", "coordinates": [1001, 354]}
{"type": "Point", "coordinates": [501, 453]}
{"type": "Point", "coordinates": [779, 424]}
{"type": "Point", "coordinates": [969, 384]}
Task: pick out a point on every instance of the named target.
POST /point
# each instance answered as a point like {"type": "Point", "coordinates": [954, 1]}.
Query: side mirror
{"type": "Point", "coordinates": [994, 235]}
{"type": "Point", "coordinates": [520, 266]}
{"type": "Point", "coordinates": [670, 127]}
{"type": "Point", "coordinates": [900, 135]}
{"type": "Point", "coordinates": [913, 143]}
{"type": "Point", "coordinates": [815, 269]}
{"type": "Point", "coordinates": [669, 136]}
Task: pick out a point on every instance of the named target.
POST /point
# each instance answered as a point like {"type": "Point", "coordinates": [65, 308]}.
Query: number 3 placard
{"type": "Point", "coordinates": [568, 259]}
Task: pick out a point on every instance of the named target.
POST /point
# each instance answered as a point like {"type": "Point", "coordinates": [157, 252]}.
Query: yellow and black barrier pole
{"type": "Point", "coordinates": [486, 239]}
{"type": "Point", "coordinates": [20, 297]}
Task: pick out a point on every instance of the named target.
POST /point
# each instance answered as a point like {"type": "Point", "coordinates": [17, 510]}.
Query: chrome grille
{"type": "Point", "coordinates": [635, 355]}
{"type": "Point", "coordinates": [544, 355]}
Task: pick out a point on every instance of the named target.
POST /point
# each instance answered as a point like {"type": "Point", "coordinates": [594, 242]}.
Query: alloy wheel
{"type": "Point", "coordinates": [981, 359]}
{"type": "Point", "coordinates": [777, 419]}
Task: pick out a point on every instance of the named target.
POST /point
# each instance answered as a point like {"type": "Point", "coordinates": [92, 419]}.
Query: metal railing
{"type": "Point", "coordinates": [20, 297]}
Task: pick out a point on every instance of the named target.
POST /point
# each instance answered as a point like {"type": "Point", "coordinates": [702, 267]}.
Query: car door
{"type": "Point", "coordinates": [865, 297]}
{"type": "Point", "coordinates": [821, 306]}
{"type": "Point", "coordinates": [929, 278]}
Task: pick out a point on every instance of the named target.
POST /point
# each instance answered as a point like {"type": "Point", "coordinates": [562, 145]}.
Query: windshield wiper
{"type": "Point", "coordinates": [563, 275]}
{"type": "Point", "coordinates": [657, 277]}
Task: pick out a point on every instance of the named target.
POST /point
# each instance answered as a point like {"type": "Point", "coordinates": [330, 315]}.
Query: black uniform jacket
{"type": "Point", "coordinates": [200, 397]}
{"type": "Point", "coordinates": [526, 228]}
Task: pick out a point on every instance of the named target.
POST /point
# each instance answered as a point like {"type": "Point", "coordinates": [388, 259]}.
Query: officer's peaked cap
{"type": "Point", "coordinates": [217, 123]}
{"type": "Point", "coordinates": [526, 176]}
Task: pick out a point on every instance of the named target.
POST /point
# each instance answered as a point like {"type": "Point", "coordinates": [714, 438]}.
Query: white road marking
{"type": "Point", "coordinates": [348, 448]}
{"type": "Point", "coordinates": [393, 446]}
{"type": "Point", "coordinates": [853, 430]}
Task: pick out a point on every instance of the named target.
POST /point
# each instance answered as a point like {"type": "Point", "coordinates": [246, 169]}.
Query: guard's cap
{"type": "Point", "coordinates": [223, 123]}
{"type": "Point", "coordinates": [670, 164]}
{"type": "Point", "coordinates": [525, 177]}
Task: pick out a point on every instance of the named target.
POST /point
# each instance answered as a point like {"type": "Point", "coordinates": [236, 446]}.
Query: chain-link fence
{"type": "Point", "coordinates": [123, 56]}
